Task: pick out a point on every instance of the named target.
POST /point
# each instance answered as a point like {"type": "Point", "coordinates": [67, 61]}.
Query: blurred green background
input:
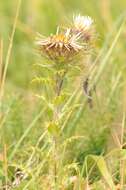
{"type": "Point", "coordinates": [20, 104]}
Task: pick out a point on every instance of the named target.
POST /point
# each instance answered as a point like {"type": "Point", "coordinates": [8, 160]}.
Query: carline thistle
{"type": "Point", "coordinates": [63, 46]}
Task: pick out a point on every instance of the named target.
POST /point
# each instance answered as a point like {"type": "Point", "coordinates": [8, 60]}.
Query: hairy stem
{"type": "Point", "coordinates": [58, 89]}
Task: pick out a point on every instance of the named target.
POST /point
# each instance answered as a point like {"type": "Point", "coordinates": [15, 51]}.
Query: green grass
{"type": "Point", "coordinates": [89, 149]}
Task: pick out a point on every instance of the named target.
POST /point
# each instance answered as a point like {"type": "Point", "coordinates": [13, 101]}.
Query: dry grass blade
{"type": "Point", "coordinates": [122, 162]}
{"type": "Point", "coordinates": [114, 87]}
{"type": "Point", "coordinates": [5, 163]}
{"type": "Point", "coordinates": [31, 125]}
{"type": "Point", "coordinates": [9, 49]}
{"type": "Point", "coordinates": [1, 60]}
{"type": "Point", "coordinates": [108, 54]}
{"type": "Point", "coordinates": [1, 68]}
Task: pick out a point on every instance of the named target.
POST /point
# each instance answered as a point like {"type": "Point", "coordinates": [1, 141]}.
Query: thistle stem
{"type": "Point", "coordinates": [58, 88]}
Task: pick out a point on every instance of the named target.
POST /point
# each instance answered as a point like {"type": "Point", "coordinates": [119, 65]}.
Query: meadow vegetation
{"type": "Point", "coordinates": [61, 139]}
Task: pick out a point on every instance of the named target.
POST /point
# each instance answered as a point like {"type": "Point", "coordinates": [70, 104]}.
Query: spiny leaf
{"type": "Point", "coordinates": [53, 128]}
{"type": "Point", "coordinates": [45, 101]}
{"type": "Point", "coordinates": [60, 99]}
{"type": "Point", "coordinates": [43, 80]}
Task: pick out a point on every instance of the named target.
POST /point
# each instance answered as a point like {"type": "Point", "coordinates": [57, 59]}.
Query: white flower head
{"type": "Point", "coordinates": [60, 45]}
{"type": "Point", "coordinates": [82, 22]}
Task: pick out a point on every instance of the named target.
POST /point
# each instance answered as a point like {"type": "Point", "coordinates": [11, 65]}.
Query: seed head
{"type": "Point", "coordinates": [60, 47]}
{"type": "Point", "coordinates": [83, 25]}
{"type": "Point", "coordinates": [82, 22]}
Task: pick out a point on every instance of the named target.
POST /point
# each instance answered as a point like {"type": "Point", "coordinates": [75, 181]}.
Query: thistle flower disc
{"type": "Point", "coordinates": [60, 47]}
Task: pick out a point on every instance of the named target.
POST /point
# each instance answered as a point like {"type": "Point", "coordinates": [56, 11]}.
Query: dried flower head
{"type": "Point", "coordinates": [83, 22]}
{"type": "Point", "coordinates": [60, 47]}
{"type": "Point", "coordinates": [83, 25]}
{"type": "Point", "coordinates": [75, 40]}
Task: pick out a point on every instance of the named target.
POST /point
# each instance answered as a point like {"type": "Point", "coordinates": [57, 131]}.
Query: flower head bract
{"type": "Point", "coordinates": [60, 47]}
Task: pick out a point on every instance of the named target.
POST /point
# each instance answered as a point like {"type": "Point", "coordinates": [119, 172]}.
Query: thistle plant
{"type": "Point", "coordinates": [85, 26]}
{"type": "Point", "coordinates": [65, 48]}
